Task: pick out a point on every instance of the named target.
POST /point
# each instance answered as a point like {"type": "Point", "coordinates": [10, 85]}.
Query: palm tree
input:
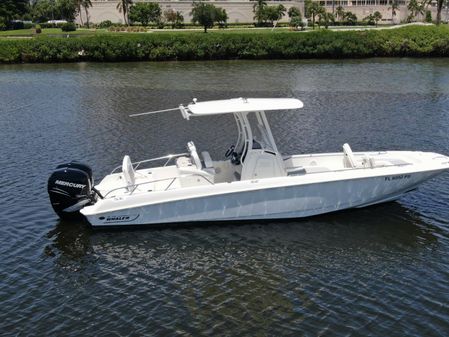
{"type": "Point", "coordinates": [340, 13]}
{"type": "Point", "coordinates": [439, 8]}
{"type": "Point", "coordinates": [86, 4]}
{"type": "Point", "coordinates": [78, 4]}
{"type": "Point", "coordinates": [394, 6]}
{"type": "Point", "coordinates": [123, 6]}
{"type": "Point", "coordinates": [314, 10]}
{"type": "Point", "coordinates": [258, 8]}
{"type": "Point", "coordinates": [415, 8]}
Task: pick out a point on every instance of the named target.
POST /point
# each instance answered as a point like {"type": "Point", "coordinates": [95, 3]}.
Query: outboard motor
{"type": "Point", "coordinates": [70, 188]}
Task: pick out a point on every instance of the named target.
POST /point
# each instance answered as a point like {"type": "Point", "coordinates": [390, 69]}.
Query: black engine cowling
{"type": "Point", "coordinates": [70, 188]}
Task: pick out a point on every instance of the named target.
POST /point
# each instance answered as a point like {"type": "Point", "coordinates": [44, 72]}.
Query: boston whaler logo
{"type": "Point", "coordinates": [69, 184]}
{"type": "Point", "coordinates": [119, 218]}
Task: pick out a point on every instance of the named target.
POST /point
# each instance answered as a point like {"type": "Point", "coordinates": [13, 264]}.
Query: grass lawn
{"type": "Point", "coordinates": [57, 32]}
{"type": "Point", "coordinates": [49, 31]}
{"type": "Point", "coordinates": [83, 31]}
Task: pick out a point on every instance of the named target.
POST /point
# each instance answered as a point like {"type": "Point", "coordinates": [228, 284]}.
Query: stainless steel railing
{"type": "Point", "coordinates": [169, 158]}
{"type": "Point", "coordinates": [173, 179]}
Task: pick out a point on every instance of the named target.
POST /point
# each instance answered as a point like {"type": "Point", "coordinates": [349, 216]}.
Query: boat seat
{"type": "Point", "coordinates": [128, 173]}
{"type": "Point", "coordinates": [194, 154]}
{"type": "Point", "coordinates": [183, 162]}
{"type": "Point", "coordinates": [208, 163]}
{"type": "Point", "coordinates": [350, 160]}
{"type": "Point", "coordinates": [316, 169]}
{"type": "Point", "coordinates": [296, 171]}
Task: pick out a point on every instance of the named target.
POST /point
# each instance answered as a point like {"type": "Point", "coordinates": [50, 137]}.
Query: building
{"type": "Point", "coordinates": [239, 11]}
{"type": "Point", "coordinates": [363, 8]}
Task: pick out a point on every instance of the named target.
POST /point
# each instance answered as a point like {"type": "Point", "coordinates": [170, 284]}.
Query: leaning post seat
{"type": "Point", "coordinates": [351, 161]}
{"type": "Point", "coordinates": [128, 173]}
{"type": "Point", "coordinates": [194, 154]}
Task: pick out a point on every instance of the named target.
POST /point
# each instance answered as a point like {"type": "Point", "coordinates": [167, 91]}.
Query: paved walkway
{"type": "Point", "coordinates": [335, 29]}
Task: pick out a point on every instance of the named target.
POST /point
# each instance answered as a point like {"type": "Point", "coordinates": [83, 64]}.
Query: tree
{"type": "Point", "coordinates": [315, 9]}
{"type": "Point", "coordinates": [206, 14]}
{"type": "Point", "coordinates": [350, 18]}
{"type": "Point", "coordinates": [79, 5]}
{"type": "Point", "coordinates": [296, 22]}
{"type": "Point", "coordinates": [221, 17]}
{"type": "Point", "coordinates": [274, 13]}
{"type": "Point", "coordinates": [44, 10]}
{"type": "Point", "coordinates": [369, 19]}
{"type": "Point", "coordinates": [12, 9]}
{"type": "Point", "coordinates": [439, 8]}
{"type": "Point", "coordinates": [66, 10]}
{"type": "Point", "coordinates": [414, 8]}
{"type": "Point", "coordinates": [340, 13]}
{"type": "Point", "coordinates": [294, 12]}
{"type": "Point", "coordinates": [145, 12]}
{"type": "Point", "coordinates": [86, 4]}
{"type": "Point", "coordinates": [307, 5]}
{"type": "Point", "coordinates": [295, 17]}
{"type": "Point", "coordinates": [259, 11]}
{"type": "Point", "coordinates": [123, 6]}
{"type": "Point", "coordinates": [394, 6]}
{"type": "Point", "coordinates": [377, 17]}
{"type": "Point", "coordinates": [176, 18]}
{"type": "Point", "coordinates": [428, 16]}
{"type": "Point", "coordinates": [325, 18]}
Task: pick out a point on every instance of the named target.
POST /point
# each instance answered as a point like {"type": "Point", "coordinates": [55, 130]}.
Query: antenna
{"type": "Point", "coordinates": [153, 112]}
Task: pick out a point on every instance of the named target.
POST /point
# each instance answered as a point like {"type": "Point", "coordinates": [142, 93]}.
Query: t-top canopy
{"type": "Point", "coordinates": [242, 105]}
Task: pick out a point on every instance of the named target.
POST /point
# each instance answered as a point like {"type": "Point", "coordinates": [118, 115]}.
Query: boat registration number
{"type": "Point", "coordinates": [398, 177]}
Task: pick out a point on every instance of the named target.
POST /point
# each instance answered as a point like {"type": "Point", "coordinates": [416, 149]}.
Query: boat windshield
{"type": "Point", "coordinates": [261, 139]}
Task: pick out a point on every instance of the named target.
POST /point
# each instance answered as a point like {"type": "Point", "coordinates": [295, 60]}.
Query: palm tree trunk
{"type": "Point", "coordinates": [126, 14]}
{"type": "Point", "coordinates": [439, 8]}
{"type": "Point", "coordinates": [87, 16]}
{"type": "Point", "coordinates": [81, 15]}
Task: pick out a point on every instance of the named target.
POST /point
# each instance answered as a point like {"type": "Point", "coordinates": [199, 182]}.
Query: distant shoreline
{"type": "Point", "coordinates": [411, 41]}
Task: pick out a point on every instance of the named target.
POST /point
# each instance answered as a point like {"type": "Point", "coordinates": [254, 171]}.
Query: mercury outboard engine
{"type": "Point", "coordinates": [70, 188]}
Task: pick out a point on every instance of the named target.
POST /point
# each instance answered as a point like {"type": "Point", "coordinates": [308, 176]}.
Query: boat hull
{"type": "Point", "coordinates": [292, 201]}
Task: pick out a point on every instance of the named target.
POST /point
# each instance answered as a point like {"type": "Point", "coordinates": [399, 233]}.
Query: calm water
{"type": "Point", "coordinates": [381, 271]}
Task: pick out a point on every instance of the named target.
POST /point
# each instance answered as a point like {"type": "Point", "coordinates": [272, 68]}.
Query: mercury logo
{"type": "Point", "coordinates": [69, 184]}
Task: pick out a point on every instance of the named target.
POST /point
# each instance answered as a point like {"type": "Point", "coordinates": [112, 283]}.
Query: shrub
{"type": "Point", "coordinates": [409, 41]}
{"type": "Point", "coordinates": [428, 16]}
{"type": "Point", "coordinates": [38, 29]}
{"type": "Point", "coordinates": [68, 27]}
{"type": "Point", "coordinates": [105, 24]}
{"type": "Point", "coordinates": [15, 25]}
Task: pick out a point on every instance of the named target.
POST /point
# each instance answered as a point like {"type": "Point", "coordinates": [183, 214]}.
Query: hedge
{"type": "Point", "coordinates": [408, 41]}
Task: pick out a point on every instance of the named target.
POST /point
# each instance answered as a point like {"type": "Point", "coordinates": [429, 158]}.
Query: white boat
{"type": "Point", "coordinates": [253, 181]}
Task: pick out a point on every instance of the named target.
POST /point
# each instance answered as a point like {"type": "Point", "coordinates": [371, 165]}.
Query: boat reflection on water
{"type": "Point", "coordinates": [71, 239]}
{"type": "Point", "coordinates": [259, 271]}
{"type": "Point", "coordinates": [389, 224]}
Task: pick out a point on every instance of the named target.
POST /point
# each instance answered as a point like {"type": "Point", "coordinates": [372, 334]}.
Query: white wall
{"type": "Point", "coordinates": [238, 11]}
